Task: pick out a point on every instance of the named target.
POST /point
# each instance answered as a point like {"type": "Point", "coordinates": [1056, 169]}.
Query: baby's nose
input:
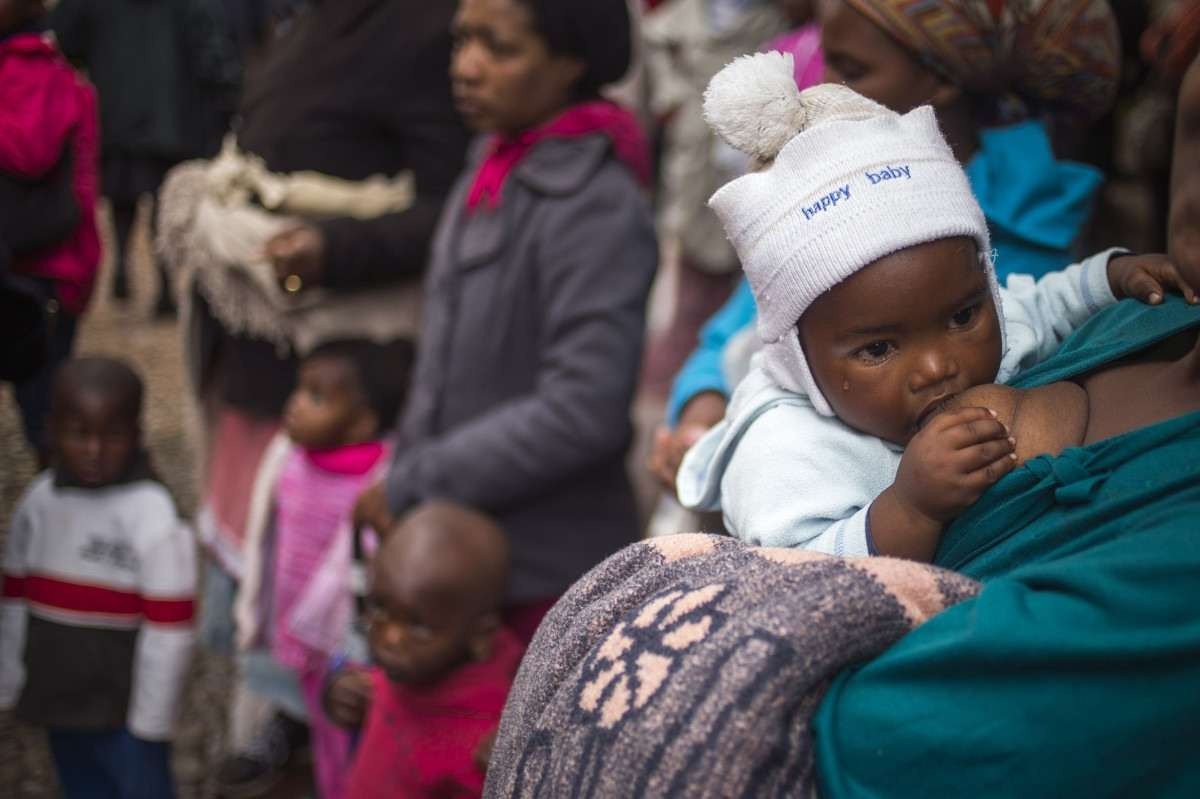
{"type": "Point", "coordinates": [930, 368]}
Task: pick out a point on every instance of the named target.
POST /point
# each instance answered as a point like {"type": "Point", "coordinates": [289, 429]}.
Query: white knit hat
{"type": "Point", "coordinates": [850, 182]}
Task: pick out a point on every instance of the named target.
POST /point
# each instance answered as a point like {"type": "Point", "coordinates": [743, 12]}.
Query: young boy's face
{"type": "Point", "coordinates": [327, 409]}
{"type": "Point", "coordinates": [421, 627]}
{"type": "Point", "coordinates": [889, 346]}
{"type": "Point", "coordinates": [94, 436]}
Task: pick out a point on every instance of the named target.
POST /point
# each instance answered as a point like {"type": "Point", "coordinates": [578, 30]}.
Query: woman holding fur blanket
{"type": "Point", "coordinates": [312, 225]}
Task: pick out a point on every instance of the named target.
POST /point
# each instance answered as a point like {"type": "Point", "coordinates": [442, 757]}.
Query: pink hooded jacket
{"type": "Point", "coordinates": [44, 104]}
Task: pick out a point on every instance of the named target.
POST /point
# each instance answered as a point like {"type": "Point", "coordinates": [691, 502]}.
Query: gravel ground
{"type": "Point", "coordinates": [127, 330]}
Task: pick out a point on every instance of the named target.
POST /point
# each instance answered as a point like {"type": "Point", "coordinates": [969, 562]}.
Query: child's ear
{"type": "Point", "coordinates": [483, 635]}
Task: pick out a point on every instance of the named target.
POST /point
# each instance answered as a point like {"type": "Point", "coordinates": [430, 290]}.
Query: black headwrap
{"type": "Point", "coordinates": [598, 32]}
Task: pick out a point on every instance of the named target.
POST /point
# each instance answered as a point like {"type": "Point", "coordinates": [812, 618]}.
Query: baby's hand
{"type": "Point", "coordinates": [957, 456]}
{"type": "Point", "coordinates": [1146, 278]}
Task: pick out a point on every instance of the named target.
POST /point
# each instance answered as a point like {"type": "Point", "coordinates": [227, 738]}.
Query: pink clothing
{"type": "Point", "coordinates": [313, 501]}
{"type": "Point", "coordinates": [236, 447]}
{"type": "Point", "coordinates": [331, 746]}
{"type": "Point", "coordinates": [354, 459]}
{"type": "Point", "coordinates": [44, 105]}
{"type": "Point", "coordinates": [311, 504]}
{"type": "Point", "coordinates": [600, 116]}
{"type": "Point", "coordinates": [804, 43]}
{"type": "Point", "coordinates": [421, 741]}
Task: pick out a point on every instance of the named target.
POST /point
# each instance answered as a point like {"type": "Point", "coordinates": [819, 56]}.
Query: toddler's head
{"type": "Point", "coordinates": [865, 248]}
{"type": "Point", "coordinates": [15, 13]}
{"type": "Point", "coordinates": [94, 423]}
{"type": "Point", "coordinates": [436, 586]}
{"type": "Point", "coordinates": [347, 392]}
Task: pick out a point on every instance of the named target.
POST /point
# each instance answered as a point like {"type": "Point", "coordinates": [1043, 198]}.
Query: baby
{"type": "Point", "coordinates": [870, 263]}
{"type": "Point", "coordinates": [99, 576]}
{"type": "Point", "coordinates": [443, 661]}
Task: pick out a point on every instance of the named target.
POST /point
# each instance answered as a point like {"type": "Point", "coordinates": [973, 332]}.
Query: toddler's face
{"type": "Point", "coordinates": [326, 409]}
{"type": "Point", "coordinates": [420, 625]}
{"type": "Point", "coordinates": [892, 344]}
{"type": "Point", "coordinates": [94, 438]}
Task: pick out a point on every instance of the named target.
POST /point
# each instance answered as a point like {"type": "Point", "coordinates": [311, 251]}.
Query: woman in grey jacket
{"type": "Point", "coordinates": [535, 298]}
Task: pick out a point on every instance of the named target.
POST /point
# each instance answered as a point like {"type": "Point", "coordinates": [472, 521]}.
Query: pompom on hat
{"type": "Point", "coordinates": [848, 183]}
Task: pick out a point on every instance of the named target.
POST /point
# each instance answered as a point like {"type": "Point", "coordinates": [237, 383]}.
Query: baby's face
{"type": "Point", "coordinates": [892, 344]}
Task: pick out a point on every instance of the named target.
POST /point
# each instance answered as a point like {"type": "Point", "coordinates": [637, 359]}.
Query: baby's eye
{"type": "Point", "coordinates": [875, 351]}
{"type": "Point", "coordinates": [965, 316]}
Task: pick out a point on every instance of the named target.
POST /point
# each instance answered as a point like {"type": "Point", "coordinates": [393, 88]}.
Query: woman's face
{"type": "Point", "coordinates": [860, 55]}
{"type": "Point", "coordinates": [503, 76]}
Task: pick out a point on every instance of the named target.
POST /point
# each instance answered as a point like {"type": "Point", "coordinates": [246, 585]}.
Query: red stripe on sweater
{"type": "Point", "coordinates": [81, 598]}
{"type": "Point", "coordinates": [14, 587]}
{"type": "Point", "coordinates": [168, 611]}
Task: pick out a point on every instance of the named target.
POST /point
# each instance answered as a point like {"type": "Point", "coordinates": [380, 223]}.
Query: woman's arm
{"type": "Point", "coordinates": [348, 254]}
{"type": "Point", "coordinates": [595, 267]}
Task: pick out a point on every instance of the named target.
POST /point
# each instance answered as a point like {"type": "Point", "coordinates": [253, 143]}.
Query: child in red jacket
{"type": "Point", "coordinates": [443, 660]}
{"type": "Point", "coordinates": [48, 113]}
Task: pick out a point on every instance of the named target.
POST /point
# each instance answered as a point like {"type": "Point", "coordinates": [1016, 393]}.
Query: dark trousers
{"type": "Point", "coordinates": [124, 215]}
{"type": "Point", "coordinates": [111, 765]}
{"type": "Point", "coordinates": [33, 395]}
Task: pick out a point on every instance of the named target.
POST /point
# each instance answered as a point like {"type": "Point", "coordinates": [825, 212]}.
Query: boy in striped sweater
{"type": "Point", "coordinates": [99, 575]}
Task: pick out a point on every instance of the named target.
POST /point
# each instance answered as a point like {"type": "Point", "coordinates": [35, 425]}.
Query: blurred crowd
{"type": "Point", "coordinates": [425, 259]}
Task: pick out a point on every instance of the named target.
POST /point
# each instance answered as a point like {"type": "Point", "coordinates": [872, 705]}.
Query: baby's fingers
{"type": "Point", "coordinates": [1149, 277]}
{"type": "Point", "coordinates": [1170, 277]}
{"type": "Point", "coordinates": [980, 456]}
{"type": "Point", "coordinates": [992, 471]}
{"type": "Point", "coordinates": [967, 427]}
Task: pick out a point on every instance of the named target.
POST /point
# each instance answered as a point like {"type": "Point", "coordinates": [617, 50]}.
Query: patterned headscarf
{"type": "Point", "coordinates": [1060, 57]}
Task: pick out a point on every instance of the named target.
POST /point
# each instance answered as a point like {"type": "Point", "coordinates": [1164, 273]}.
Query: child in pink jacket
{"type": "Point", "coordinates": [48, 113]}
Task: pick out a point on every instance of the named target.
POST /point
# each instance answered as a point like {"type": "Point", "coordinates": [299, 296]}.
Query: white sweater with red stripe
{"type": "Point", "coordinates": [96, 619]}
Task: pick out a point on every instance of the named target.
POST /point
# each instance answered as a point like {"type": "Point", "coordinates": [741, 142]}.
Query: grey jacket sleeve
{"type": "Point", "coordinates": [596, 261]}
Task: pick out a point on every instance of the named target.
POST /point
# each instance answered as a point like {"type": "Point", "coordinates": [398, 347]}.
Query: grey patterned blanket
{"type": "Point", "coordinates": [690, 666]}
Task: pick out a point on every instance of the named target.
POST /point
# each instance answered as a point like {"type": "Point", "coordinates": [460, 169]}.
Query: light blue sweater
{"type": "Point", "coordinates": [783, 475]}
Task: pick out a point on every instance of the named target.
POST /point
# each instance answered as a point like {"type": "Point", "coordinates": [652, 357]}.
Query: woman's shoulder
{"type": "Point", "coordinates": [577, 166]}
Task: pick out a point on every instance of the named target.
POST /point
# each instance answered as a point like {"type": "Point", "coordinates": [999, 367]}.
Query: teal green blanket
{"type": "Point", "coordinates": [1076, 671]}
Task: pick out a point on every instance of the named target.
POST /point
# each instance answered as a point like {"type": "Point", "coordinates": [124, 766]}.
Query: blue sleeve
{"type": "Point", "coordinates": [704, 369]}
